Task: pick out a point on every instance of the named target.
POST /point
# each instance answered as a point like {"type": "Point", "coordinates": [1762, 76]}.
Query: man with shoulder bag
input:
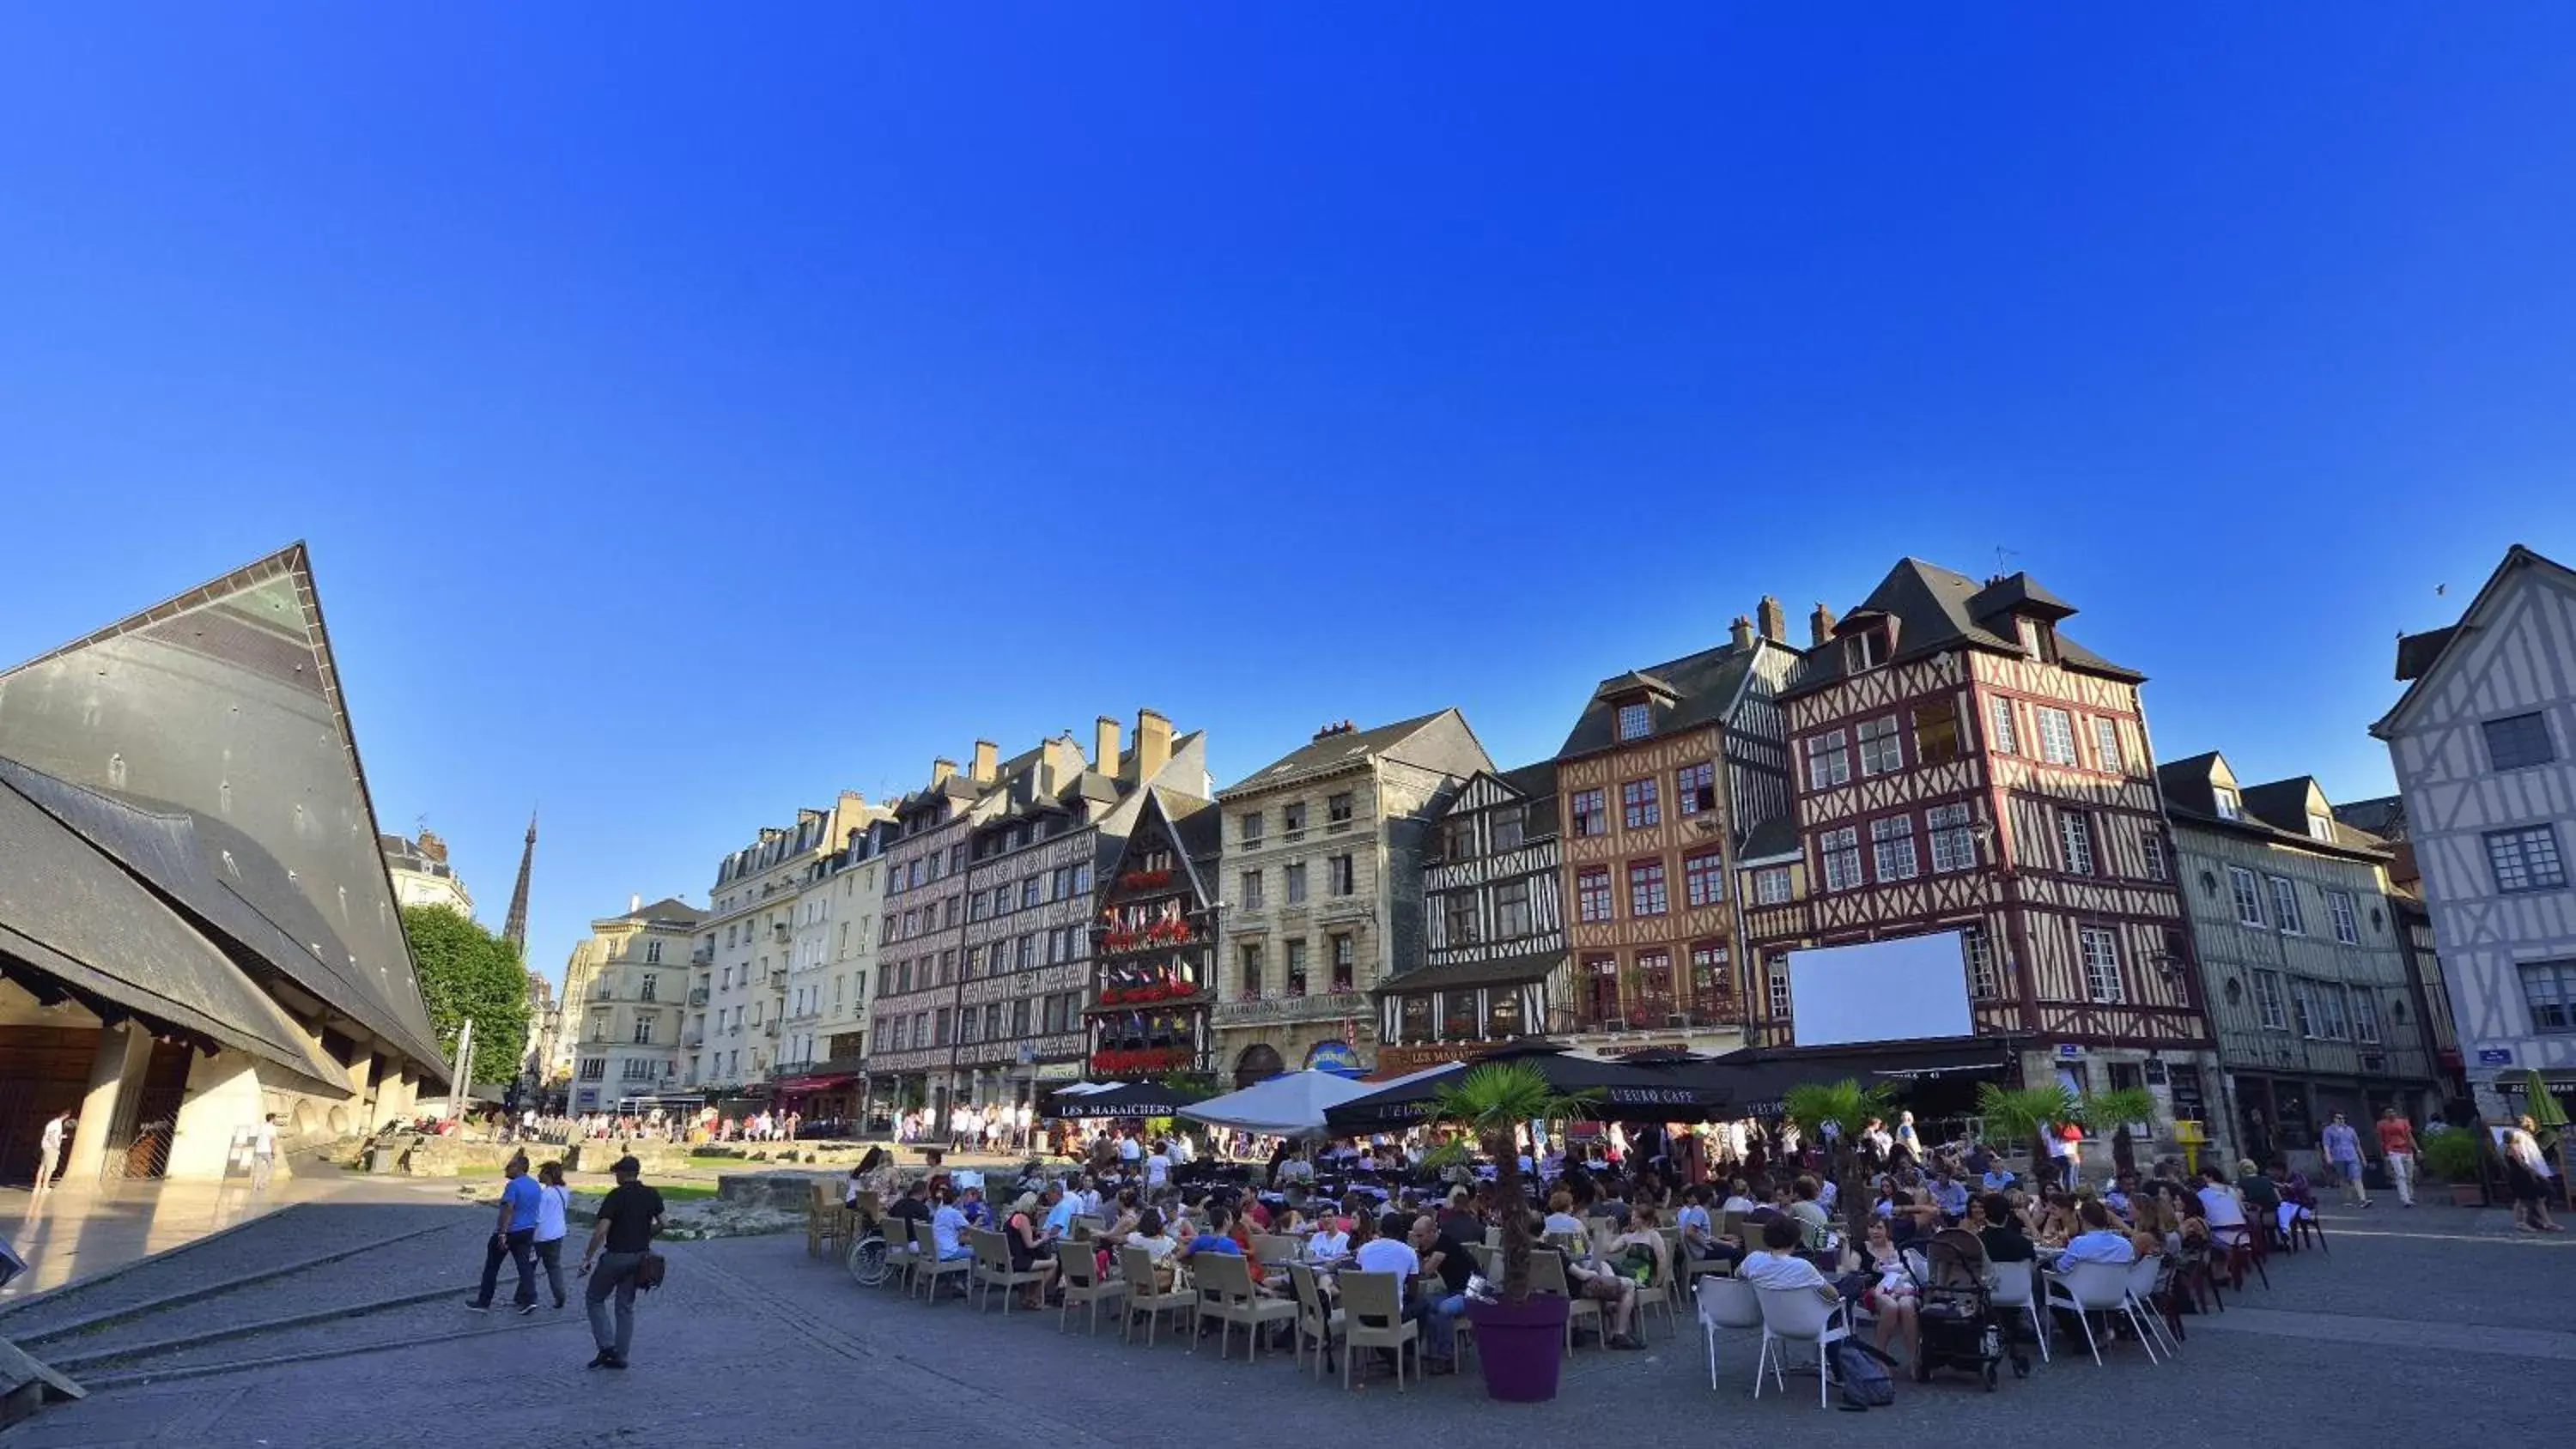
{"type": "Point", "coordinates": [628, 1218]}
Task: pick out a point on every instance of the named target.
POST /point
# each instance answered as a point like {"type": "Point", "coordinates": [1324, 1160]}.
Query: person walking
{"type": "Point", "coordinates": [628, 1218]}
{"type": "Point", "coordinates": [2397, 1147]}
{"type": "Point", "coordinates": [553, 1200]}
{"type": "Point", "coordinates": [263, 1153]}
{"type": "Point", "coordinates": [2526, 1167]}
{"type": "Point", "coordinates": [2343, 1153]}
{"type": "Point", "coordinates": [514, 1237]}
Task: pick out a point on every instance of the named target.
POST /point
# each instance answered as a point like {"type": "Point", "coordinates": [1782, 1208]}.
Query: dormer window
{"type": "Point", "coordinates": [2038, 639]}
{"type": "Point", "coordinates": [2225, 799]}
{"type": "Point", "coordinates": [1865, 651]}
{"type": "Point", "coordinates": [2321, 827]}
{"type": "Point", "coordinates": [1636, 719]}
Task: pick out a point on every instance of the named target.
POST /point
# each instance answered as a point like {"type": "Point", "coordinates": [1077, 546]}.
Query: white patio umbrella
{"type": "Point", "coordinates": [1284, 1106]}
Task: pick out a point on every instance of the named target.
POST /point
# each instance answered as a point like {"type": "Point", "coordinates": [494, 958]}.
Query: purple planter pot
{"type": "Point", "coordinates": [1520, 1345]}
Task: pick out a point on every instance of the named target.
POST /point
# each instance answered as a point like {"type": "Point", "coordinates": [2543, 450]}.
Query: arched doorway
{"type": "Point", "coordinates": [1259, 1063]}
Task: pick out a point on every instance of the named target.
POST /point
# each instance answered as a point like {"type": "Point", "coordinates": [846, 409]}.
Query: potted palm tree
{"type": "Point", "coordinates": [2452, 1155]}
{"type": "Point", "coordinates": [1846, 1107]}
{"type": "Point", "coordinates": [1520, 1336]}
{"type": "Point", "coordinates": [2025, 1113]}
{"type": "Point", "coordinates": [2113, 1111]}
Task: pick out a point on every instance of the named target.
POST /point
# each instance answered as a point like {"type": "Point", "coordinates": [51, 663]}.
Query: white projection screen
{"type": "Point", "coordinates": [1914, 986]}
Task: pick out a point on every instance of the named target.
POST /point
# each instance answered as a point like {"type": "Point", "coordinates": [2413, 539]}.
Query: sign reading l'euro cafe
{"type": "Point", "coordinates": [1330, 1007]}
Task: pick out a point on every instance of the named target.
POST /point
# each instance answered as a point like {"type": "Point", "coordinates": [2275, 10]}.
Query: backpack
{"type": "Point", "coordinates": [1863, 1371]}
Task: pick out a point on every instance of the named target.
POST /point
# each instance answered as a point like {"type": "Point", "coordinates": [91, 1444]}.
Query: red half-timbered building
{"type": "Point", "coordinates": [1960, 764]}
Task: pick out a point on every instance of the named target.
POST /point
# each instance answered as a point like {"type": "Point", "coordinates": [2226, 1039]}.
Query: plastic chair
{"type": "Point", "coordinates": [929, 1267]}
{"type": "Point", "coordinates": [1658, 1292]}
{"type": "Point", "coordinates": [2016, 1286]}
{"type": "Point", "coordinates": [1723, 1303]}
{"type": "Point", "coordinates": [2090, 1288]}
{"type": "Point", "coordinates": [1079, 1271]}
{"type": "Point", "coordinates": [1136, 1268]}
{"type": "Point", "coordinates": [2145, 1276]}
{"type": "Point", "coordinates": [1797, 1315]}
{"type": "Point", "coordinates": [1373, 1317]}
{"type": "Point", "coordinates": [1226, 1294]}
{"type": "Point", "coordinates": [993, 1269]}
{"type": "Point", "coordinates": [1316, 1320]}
{"type": "Point", "coordinates": [1547, 1275]}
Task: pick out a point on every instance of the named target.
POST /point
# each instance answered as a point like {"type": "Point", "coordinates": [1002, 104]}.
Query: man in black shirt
{"type": "Point", "coordinates": [628, 1218]}
{"type": "Point", "coordinates": [1446, 1267]}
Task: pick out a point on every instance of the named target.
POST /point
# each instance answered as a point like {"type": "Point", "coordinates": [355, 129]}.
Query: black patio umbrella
{"type": "Point", "coordinates": [1756, 1079]}
{"type": "Point", "coordinates": [1134, 1099]}
{"type": "Point", "coordinates": [1618, 1091]}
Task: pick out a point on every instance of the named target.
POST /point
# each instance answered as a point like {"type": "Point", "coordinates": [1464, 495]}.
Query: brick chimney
{"type": "Point", "coordinates": [634, 903]}
{"type": "Point", "coordinates": [1740, 633]}
{"type": "Point", "coordinates": [1820, 626]}
{"type": "Point", "coordinates": [940, 770]}
{"type": "Point", "coordinates": [1153, 745]}
{"type": "Point", "coordinates": [1104, 745]}
{"type": "Point", "coordinates": [987, 762]}
{"type": "Point", "coordinates": [432, 848]}
{"type": "Point", "coordinates": [1773, 621]}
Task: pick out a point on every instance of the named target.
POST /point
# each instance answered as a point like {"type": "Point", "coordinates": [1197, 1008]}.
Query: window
{"type": "Point", "coordinates": [1338, 876]}
{"type": "Point", "coordinates": [1292, 819]}
{"type": "Point", "coordinates": [1695, 788]}
{"type": "Point", "coordinates": [1936, 731]}
{"type": "Point", "coordinates": [1297, 968]}
{"type": "Point", "coordinates": [1638, 807]}
{"type": "Point", "coordinates": [2285, 906]}
{"type": "Point", "coordinates": [2518, 741]}
{"type": "Point", "coordinates": [2549, 990]}
{"type": "Point", "coordinates": [1601, 987]}
{"type": "Point", "coordinates": [2001, 713]}
{"type": "Point", "coordinates": [1251, 957]}
{"type": "Point", "coordinates": [644, 1031]}
{"type": "Point", "coordinates": [1590, 815]}
{"type": "Point", "coordinates": [1337, 808]}
{"type": "Point", "coordinates": [1710, 983]}
{"type": "Point", "coordinates": [1247, 827]}
{"type": "Point", "coordinates": [1028, 893]}
{"type": "Point", "coordinates": [1771, 886]}
{"type": "Point", "coordinates": [1511, 910]}
{"type": "Point", "coordinates": [1891, 842]}
{"type": "Point", "coordinates": [2334, 1024]}
{"type": "Point", "coordinates": [1984, 983]}
{"type": "Point", "coordinates": [1458, 912]}
{"type": "Point", "coordinates": [1882, 750]}
{"type": "Point", "coordinates": [2229, 808]}
{"type": "Point", "coordinates": [2075, 836]}
{"type": "Point", "coordinates": [969, 1026]}
{"type": "Point", "coordinates": [1704, 878]}
{"type": "Point", "coordinates": [1954, 840]}
{"type": "Point", "coordinates": [1458, 838]}
{"type": "Point", "coordinates": [2268, 1009]}
{"type": "Point", "coordinates": [1344, 955]}
{"type": "Point", "coordinates": [2101, 965]}
{"type": "Point", "coordinates": [2321, 827]}
{"type": "Point", "coordinates": [2249, 898]}
{"type": "Point", "coordinates": [1654, 986]}
{"type": "Point", "coordinates": [1251, 892]}
{"type": "Point", "coordinates": [1082, 879]}
{"type": "Point", "coordinates": [647, 988]}
{"type": "Point", "coordinates": [2151, 846]}
{"type": "Point", "coordinates": [2056, 735]}
{"type": "Point", "coordinates": [2347, 926]}
{"type": "Point", "coordinates": [2365, 1015]}
{"type": "Point", "coordinates": [1646, 888]}
{"type": "Point", "coordinates": [1592, 894]}
{"type": "Point", "coordinates": [2106, 744]}
{"type": "Point", "coordinates": [1775, 982]}
{"type": "Point", "coordinates": [2526, 859]}
{"type": "Point", "coordinates": [652, 952]}
{"type": "Point", "coordinates": [1635, 720]}
{"type": "Point", "coordinates": [1865, 651]}
{"type": "Point", "coordinates": [1827, 765]}
{"type": "Point", "coordinates": [594, 1069]}
{"type": "Point", "coordinates": [1841, 851]}
{"type": "Point", "coordinates": [1296, 877]}
{"type": "Point", "coordinates": [1509, 827]}
{"type": "Point", "coordinates": [1020, 1017]}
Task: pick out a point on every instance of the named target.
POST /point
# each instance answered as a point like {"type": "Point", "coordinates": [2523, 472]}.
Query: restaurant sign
{"type": "Point", "coordinates": [1330, 1007]}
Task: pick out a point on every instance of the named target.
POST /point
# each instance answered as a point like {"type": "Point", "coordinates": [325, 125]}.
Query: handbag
{"type": "Point", "coordinates": [648, 1272]}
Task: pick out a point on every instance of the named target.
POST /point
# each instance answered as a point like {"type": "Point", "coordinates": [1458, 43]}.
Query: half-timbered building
{"type": "Point", "coordinates": [1960, 764]}
{"type": "Point", "coordinates": [2484, 743]}
{"type": "Point", "coordinates": [1154, 943]}
{"type": "Point", "coordinates": [1665, 773]}
{"type": "Point", "coordinates": [1493, 920]}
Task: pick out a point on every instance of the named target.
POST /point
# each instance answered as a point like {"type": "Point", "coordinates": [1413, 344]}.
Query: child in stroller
{"type": "Point", "coordinates": [1957, 1320]}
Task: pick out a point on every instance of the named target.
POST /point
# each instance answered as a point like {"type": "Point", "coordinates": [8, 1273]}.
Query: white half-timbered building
{"type": "Point", "coordinates": [2484, 744]}
{"type": "Point", "coordinates": [1493, 926]}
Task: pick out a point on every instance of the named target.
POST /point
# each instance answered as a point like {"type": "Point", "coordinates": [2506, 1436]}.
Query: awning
{"type": "Point", "coordinates": [1284, 1106]}
{"type": "Point", "coordinates": [1134, 1099]}
{"type": "Point", "coordinates": [1757, 1078]}
{"type": "Point", "coordinates": [823, 1083]}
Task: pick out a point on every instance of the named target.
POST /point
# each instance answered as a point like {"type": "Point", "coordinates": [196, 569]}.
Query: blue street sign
{"type": "Point", "coordinates": [2495, 1056]}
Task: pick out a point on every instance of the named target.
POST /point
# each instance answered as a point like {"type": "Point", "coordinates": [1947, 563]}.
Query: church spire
{"type": "Point", "coordinates": [515, 928]}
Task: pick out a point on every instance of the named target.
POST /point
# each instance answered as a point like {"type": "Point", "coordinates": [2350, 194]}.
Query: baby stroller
{"type": "Point", "coordinates": [1960, 1328]}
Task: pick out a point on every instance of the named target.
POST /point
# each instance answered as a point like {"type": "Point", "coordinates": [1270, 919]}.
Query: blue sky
{"type": "Point", "coordinates": [692, 415]}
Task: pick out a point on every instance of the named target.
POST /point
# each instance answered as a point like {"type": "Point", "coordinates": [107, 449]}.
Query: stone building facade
{"type": "Point", "coordinates": [625, 996]}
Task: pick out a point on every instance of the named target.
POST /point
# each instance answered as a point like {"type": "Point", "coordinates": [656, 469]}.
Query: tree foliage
{"type": "Point", "coordinates": [1847, 1107]}
{"type": "Point", "coordinates": [2026, 1113]}
{"type": "Point", "coordinates": [1492, 1102]}
{"type": "Point", "coordinates": [2113, 1111]}
{"type": "Point", "coordinates": [469, 974]}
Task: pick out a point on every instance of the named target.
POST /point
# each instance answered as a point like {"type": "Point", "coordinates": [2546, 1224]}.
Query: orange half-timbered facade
{"type": "Point", "coordinates": [1960, 765]}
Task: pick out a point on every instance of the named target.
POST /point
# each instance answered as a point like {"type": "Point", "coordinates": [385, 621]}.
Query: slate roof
{"type": "Point", "coordinates": [1334, 752]}
{"type": "Point", "coordinates": [2268, 809]}
{"type": "Point", "coordinates": [224, 706]}
{"type": "Point", "coordinates": [2418, 655]}
{"type": "Point", "coordinates": [1770, 840]}
{"type": "Point", "coordinates": [668, 908]}
{"type": "Point", "coordinates": [2384, 817]}
{"type": "Point", "coordinates": [2416, 652]}
{"type": "Point", "coordinates": [1936, 609]}
{"type": "Point", "coordinates": [1701, 686]}
{"type": "Point", "coordinates": [1505, 971]}
{"type": "Point", "coordinates": [1538, 782]}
